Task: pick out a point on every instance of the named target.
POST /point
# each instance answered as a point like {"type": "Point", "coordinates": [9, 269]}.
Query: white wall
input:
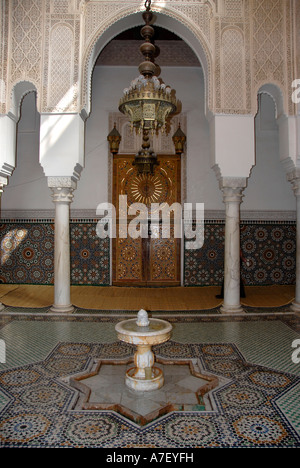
{"type": "Point", "coordinates": [267, 188]}
{"type": "Point", "coordinates": [108, 85]}
{"type": "Point", "coordinates": [27, 188]}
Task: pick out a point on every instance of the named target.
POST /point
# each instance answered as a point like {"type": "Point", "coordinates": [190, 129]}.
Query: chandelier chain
{"type": "Point", "coordinates": [148, 5]}
{"type": "Point", "coordinates": [148, 101]}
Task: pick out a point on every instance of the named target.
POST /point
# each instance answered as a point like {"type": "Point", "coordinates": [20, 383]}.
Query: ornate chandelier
{"type": "Point", "coordinates": [148, 102]}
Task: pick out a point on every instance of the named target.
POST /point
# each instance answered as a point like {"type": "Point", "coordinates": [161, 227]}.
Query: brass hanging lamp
{"type": "Point", "coordinates": [148, 102]}
{"type": "Point", "coordinates": [114, 138]}
{"type": "Point", "coordinates": [179, 140]}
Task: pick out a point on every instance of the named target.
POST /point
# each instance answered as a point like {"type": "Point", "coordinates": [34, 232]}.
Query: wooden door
{"type": "Point", "coordinates": [146, 261]}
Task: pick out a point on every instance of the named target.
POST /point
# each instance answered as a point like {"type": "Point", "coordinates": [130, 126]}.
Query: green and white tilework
{"type": "Point", "coordinates": [260, 342]}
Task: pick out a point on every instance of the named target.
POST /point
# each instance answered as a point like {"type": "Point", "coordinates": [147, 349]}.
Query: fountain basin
{"type": "Point", "coordinates": [157, 332]}
{"type": "Point", "coordinates": [144, 333]}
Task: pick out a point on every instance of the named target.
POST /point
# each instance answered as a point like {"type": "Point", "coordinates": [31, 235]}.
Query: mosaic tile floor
{"type": "Point", "coordinates": [257, 405]}
{"type": "Point", "coordinates": [103, 387]}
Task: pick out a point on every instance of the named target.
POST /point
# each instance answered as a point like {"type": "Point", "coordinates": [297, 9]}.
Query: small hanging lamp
{"type": "Point", "coordinates": [114, 139]}
{"type": "Point", "coordinates": [179, 140]}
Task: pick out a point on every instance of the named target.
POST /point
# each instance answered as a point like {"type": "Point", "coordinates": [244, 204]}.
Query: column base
{"type": "Point", "coordinates": [295, 307]}
{"type": "Point", "coordinates": [68, 309]}
{"type": "Point", "coordinates": [230, 309]}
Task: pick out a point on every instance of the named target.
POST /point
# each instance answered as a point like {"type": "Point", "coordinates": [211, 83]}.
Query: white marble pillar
{"type": "Point", "coordinates": [232, 199]}
{"type": "Point", "coordinates": [62, 188]}
{"type": "Point", "coordinates": [3, 181]}
{"type": "Point", "coordinates": [8, 129]}
{"type": "Point", "coordinates": [1, 191]}
{"type": "Point", "coordinates": [294, 178]}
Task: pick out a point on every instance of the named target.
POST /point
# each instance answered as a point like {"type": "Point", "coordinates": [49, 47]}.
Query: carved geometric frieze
{"type": "Point", "coordinates": [297, 27]}
{"type": "Point", "coordinates": [26, 44]}
{"type": "Point", "coordinates": [245, 43]}
{"type": "Point", "coordinates": [60, 6]}
{"type": "Point", "coordinates": [4, 14]}
{"type": "Point", "coordinates": [61, 76]}
{"type": "Point", "coordinates": [233, 71]}
{"type": "Point", "coordinates": [61, 181]}
{"type": "Point", "coordinates": [272, 45]}
{"type": "Point", "coordinates": [97, 13]}
{"type": "Point", "coordinates": [63, 7]}
{"type": "Point", "coordinates": [268, 46]}
{"type": "Point", "coordinates": [61, 93]}
{"type": "Point", "coordinates": [199, 14]}
{"type": "Point", "coordinates": [234, 8]}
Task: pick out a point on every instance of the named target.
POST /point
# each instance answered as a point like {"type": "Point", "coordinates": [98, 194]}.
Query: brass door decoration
{"type": "Point", "coordinates": [146, 261]}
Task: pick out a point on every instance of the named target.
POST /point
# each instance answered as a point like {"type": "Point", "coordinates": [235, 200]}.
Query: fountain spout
{"type": "Point", "coordinates": [142, 319]}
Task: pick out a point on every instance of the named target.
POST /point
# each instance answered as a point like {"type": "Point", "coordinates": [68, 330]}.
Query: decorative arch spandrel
{"type": "Point", "coordinates": [102, 23]}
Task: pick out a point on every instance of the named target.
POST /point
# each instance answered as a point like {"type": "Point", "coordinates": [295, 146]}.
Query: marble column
{"type": "Point", "coordinates": [3, 181]}
{"type": "Point", "coordinates": [62, 193]}
{"type": "Point", "coordinates": [8, 140]}
{"type": "Point", "coordinates": [294, 178]}
{"type": "Point", "coordinates": [232, 198]}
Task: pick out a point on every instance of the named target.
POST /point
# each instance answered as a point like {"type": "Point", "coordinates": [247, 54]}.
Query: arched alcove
{"type": "Point", "coordinates": [19, 91]}
{"type": "Point", "coordinates": [104, 92]}
{"type": "Point", "coordinates": [27, 188]}
{"type": "Point", "coordinates": [167, 19]}
{"type": "Point", "coordinates": [268, 187]}
{"type": "Point", "coordinates": [106, 89]}
{"type": "Point", "coordinates": [275, 93]}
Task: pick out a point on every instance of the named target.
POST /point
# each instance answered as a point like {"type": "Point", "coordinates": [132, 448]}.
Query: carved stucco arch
{"type": "Point", "coordinates": [130, 18]}
{"type": "Point", "coordinates": [18, 91]}
{"type": "Point", "coordinates": [286, 139]}
{"type": "Point", "coordinates": [276, 94]}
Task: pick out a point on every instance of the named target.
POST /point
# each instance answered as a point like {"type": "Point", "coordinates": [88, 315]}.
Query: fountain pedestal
{"type": "Point", "coordinates": [144, 333]}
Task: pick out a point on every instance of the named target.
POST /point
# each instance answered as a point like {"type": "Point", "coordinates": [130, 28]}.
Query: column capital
{"type": "Point", "coordinates": [3, 182]}
{"type": "Point", "coordinates": [62, 194]}
{"type": "Point", "coordinates": [294, 178]}
{"type": "Point", "coordinates": [62, 189]}
{"type": "Point", "coordinates": [232, 188]}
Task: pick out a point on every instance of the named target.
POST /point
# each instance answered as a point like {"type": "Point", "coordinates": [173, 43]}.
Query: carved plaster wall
{"type": "Point", "coordinates": [243, 44]}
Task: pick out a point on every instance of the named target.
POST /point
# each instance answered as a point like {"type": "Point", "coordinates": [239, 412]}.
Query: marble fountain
{"type": "Point", "coordinates": [144, 333]}
{"type": "Point", "coordinates": [143, 387]}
